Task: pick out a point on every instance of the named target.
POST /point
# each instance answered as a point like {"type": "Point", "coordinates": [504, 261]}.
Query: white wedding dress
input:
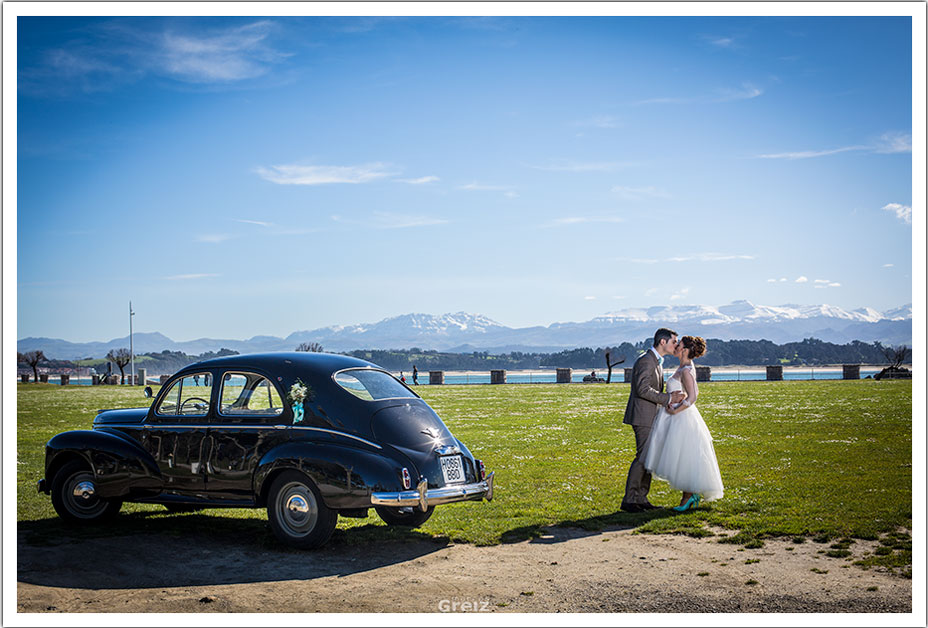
{"type": "Point", "coordinates": [680, 447]}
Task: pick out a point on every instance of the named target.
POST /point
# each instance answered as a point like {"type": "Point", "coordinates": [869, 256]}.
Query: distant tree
{"type": "Point", "coordinates": [609, 365]}
{"type": "Point", "coordinates": [121, 358]}
{"type": "Point", "coordinates": [32, 358]}
{"type": "Point", "coordinates": [895, 355]}
{"type": "Point", "coordinates": [313, 347]}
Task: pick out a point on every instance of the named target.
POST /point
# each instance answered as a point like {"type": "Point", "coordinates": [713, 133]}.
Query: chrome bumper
{"type": "Point", "coordinates": [424, 497]}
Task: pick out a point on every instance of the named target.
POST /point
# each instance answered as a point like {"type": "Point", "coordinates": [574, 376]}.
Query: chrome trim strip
{"type": "Point", "coordinates": [149, 426]}
{"type": "Point", "coordinates": [337, 433]}
{"type": "Point", "coordinates": [436, 496]}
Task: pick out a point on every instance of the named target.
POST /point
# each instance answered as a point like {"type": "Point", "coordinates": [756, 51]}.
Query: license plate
{"type": "Point", "coordinates": [452, 467]}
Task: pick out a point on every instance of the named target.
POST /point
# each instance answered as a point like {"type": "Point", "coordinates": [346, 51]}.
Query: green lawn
{"type": "Point", "coordinates": [823, 460]}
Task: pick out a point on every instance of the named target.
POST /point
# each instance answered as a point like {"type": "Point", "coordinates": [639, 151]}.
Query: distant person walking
{"type": "Point", "coordinates": [415, 375]}
{"type": "Point", "coordinates": [402, 377]}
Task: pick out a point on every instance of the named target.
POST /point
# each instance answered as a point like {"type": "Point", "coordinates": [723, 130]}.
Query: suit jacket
{"type": "Point", "coordinates": [647, 394]}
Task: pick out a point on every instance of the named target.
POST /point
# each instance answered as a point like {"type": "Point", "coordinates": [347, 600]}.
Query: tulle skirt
{"type": "Point", "coordinates": [680, 452]}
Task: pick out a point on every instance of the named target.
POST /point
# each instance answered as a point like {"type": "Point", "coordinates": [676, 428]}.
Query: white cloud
{"type": "Point", "coordinates": [802, 279]}
{"type": "Point", "coordinates": [808, 154]}
{"type": "Point", "coordinates": [747, 91]}
{"type": "Point", "coordinates": [481, 187]}
{"type": "Point", "coordinates": [578, 220]}
{"type": "Point", "coordinates": [420, 180]}
{"type": "Point", "coordinates": [822, 281]}
{"type": "Point", "coordinates": [214, 238]}
{"type": "Point", "coordinates": [391, 220]}
{"type": "Point", "coordinates": [319, 175]}
{"type": "Point", "coordinates": [191, 276]}
{"type": "Point", "coordinates": [903, 212]}
{"type": "Point", "coordinates": [888, 265]}
{"type": "Point", "coordinates": [599, 122]}
{"type": "Point", "coordinates": [635, 194]}
{"type": "Point", "coordinates": [771, 281]}
{"type": "Point", "coordinates": [594, 166]}
{"type": "Point", "coordinates": [834, 284]}
{"type": "Point", "coordinates": [774, 280]}
{"type": "Point", "coordinates": [699, 257]}
{"type": "Point", "coordinates": [679, 294]}
{"type": "Point", "coordinates": [260, 223]}
{"type": "Point", "coordinates": [221, 56]}
{"type": "Point", "coordinates": [650, 292]}
{"type": "Point", "coordinates": [618, 297]}
{"type": "Point", "coordinates": [894, 143]}
{"type": "Point", "coordinates": [721, 42]}
{"type": "Point", "coordinates": [510, 194]}
{"type": "Point", "coordinates": [589, 298]}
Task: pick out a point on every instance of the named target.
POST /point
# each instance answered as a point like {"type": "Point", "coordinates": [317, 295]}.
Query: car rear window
{"type": "Point", "coordinates": [372, 385]}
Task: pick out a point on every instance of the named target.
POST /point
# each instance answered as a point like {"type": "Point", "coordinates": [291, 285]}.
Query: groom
{"type": "Point", "coordinates": [646, 397]}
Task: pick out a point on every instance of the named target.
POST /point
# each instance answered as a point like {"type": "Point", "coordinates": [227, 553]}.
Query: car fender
{"type": "Point", "coordinates": [344, 474]}
{"type": "Point", "coordinates": [121, 468]}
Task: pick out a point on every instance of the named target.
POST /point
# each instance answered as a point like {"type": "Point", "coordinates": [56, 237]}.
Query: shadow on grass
{"type": "Point", "coordinates": [578, 528]}
{"type": "Point", "coordinates": [148, 550]}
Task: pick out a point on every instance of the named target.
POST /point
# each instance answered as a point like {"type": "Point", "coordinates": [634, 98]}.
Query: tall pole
{"type": "Point", "coordinates": [131, 352]}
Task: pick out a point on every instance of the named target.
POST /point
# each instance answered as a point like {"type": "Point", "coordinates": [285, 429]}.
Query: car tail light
{"type": "Point", "coordinates": [481, 470]}
{"type": "Point", "coordinates": [407, 481]}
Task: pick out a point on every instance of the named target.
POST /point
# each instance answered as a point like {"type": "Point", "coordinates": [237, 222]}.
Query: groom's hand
{"type": "Point", "coordinates": [677, 396]}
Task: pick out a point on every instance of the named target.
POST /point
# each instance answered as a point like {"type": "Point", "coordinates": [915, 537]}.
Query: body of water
{"type": "Point", "coordinates": [546, 377]}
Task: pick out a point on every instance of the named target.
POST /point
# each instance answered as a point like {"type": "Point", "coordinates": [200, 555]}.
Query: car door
{"type": "Point", "coordinates": [175, 433]}
{"type": "Point", "coordinates": [250, 419]}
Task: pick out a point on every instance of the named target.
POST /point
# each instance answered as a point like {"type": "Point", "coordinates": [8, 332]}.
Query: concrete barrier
{"type": "Point", "coordinates": [564, 375]}
{"type": "Point", "coordinates": [497, 376]}
{"type": "Point", "coordinates": [65, 379]}
{"type": "Point", "coordinates": [95, 379]}
{"type": "Point", "coordinates": [436, 378]}
{"type": "Point", "coordinates": [850, 371]}
{"type": "Point", "coordinates": [24, 377]}
{"type": "Point", "coordinates": [43, 377]}
{"type": "Point", "coordinates": [775, 373]}
{"type": "Point", "coordinates": [703, 373]}
{"type": "Point", "coordinates": [141, 375]}
{"type": "Point", "coordinates": [164, 378]}
{"type": "Point", "coordinates": [627, 373]}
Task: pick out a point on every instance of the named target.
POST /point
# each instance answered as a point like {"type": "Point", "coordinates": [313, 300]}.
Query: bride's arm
{"type": "Point", "coordinates": [692, 391]}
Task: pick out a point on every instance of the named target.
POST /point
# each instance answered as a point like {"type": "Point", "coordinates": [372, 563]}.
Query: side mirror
{"type": "Point", "coordinates": [148, 393]}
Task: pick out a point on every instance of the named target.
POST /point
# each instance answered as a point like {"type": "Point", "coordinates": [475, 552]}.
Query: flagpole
{"type": "Point", "coordinates": [131, 352]}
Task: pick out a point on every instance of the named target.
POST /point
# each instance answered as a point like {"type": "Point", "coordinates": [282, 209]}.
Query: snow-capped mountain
{"type": "Point", "coordinates": [469, 332]}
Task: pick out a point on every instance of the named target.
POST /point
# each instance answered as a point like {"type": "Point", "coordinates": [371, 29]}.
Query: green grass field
{"type": "Point", "coordinates": [819, 460]}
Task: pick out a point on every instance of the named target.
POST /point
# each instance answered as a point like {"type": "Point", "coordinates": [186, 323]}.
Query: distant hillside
{"type": "Point", "coordinates": [463, 332]}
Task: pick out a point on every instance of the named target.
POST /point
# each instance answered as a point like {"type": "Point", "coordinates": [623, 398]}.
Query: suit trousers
{"type": "Point", "coordinates": [639, 480]}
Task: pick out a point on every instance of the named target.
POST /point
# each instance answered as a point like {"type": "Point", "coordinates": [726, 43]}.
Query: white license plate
{"type": "Point", "coordinates": [453, 469]}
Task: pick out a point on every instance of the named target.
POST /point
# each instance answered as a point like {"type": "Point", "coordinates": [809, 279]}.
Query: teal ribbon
{"type": "Point", "coordinates": [298, 412]}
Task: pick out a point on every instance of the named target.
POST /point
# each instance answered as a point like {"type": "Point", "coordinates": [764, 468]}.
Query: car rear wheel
{"type": "Point", "coordinates": [74, 495]}
{"type": "Point", "coordinates": [406, 516]}
{"type": "Point", "coordinates": [296, 512]}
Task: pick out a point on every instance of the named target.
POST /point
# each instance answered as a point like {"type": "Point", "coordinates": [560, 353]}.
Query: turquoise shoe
{"type": "Point", "coordinates": [692, 502]}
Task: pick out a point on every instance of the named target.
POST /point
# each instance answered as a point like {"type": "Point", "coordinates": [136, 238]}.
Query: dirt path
{"type": "Point", "coordinates": [568, 570]}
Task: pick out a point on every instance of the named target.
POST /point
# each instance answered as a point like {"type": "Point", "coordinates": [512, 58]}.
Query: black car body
{"type": "Point", "coordinates": [307, 435]}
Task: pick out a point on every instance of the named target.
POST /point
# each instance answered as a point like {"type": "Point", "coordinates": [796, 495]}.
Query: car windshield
{"type": "Point", "coordinates": [372, 385]}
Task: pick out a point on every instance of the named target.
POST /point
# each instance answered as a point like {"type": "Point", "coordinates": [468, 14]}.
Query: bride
{"type": "Point", "coordinates": [680, 447]}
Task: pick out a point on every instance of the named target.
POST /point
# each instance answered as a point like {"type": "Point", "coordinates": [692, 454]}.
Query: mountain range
{"type": "Point", "coordinates": [463, 332]}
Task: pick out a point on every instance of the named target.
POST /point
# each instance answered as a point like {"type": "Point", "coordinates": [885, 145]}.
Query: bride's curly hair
{"type": "Point", "coordinates": [695, 345]}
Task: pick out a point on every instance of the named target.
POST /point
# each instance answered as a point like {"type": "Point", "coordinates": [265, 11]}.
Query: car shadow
{"type": "Point", "coordinates": [578, 528]}
{"type": "Point", "coordinates": [140, 550]}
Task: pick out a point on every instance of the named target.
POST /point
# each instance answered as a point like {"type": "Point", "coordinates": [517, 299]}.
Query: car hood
{"type": "Point", "coordinates": [128, 415]}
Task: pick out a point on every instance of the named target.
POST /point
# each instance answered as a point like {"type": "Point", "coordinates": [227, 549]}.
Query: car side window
{"type": "Point", "coordinates": [188, 396]}
{"type": "Point", "coordinates": [249, 394]}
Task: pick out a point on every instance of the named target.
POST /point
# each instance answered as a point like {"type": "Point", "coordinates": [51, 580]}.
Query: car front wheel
{"type": "Point", "coordinates": [74, 495]}
{"type": "Point", "coordinates": [296, 512]}
{"type": "Point", "coordinates": [406, 516]}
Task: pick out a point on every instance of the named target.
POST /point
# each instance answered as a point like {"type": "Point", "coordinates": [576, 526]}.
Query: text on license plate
{"type": "Point", "coordinates": [453, 469]}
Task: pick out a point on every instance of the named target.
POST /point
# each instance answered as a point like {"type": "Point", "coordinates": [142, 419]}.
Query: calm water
{"type": "Point", "coordinates": [483, 377]}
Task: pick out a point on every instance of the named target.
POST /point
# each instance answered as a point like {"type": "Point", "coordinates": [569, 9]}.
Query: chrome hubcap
{"type": "Point", "coordinates": [84, 490]}
{"type": "Point", "coordinates": [297, 509]}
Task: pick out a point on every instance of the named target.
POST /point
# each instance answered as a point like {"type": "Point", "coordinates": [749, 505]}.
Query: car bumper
{"type": "Point", "coordinates": [424, 497]}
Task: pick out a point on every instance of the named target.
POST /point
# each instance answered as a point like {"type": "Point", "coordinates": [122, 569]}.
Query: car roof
{"type": "Point", "coordinates": [319, 363]}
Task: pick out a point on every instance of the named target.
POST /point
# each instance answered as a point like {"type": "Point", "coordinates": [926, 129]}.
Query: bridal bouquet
{"type": "Point", "coordinates": [298, 392]}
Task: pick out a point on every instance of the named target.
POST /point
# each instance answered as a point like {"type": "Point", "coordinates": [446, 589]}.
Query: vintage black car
{"type": "Point", "coordinates": [310, 436]}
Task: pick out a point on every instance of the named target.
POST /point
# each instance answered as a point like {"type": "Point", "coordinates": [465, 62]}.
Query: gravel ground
{"type": "Point", "coordinates": [565, 570]}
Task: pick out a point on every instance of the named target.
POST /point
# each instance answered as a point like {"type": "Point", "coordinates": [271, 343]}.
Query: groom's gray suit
{"type": "Point", "coordinates": [646, 397]}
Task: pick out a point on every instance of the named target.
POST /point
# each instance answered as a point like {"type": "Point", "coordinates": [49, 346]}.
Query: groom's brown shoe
{"type": "Point", "coordinates": [627, 507]}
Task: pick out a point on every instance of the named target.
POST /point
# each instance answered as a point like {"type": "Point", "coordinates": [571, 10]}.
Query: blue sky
{"type": "Point", "coordinates": [244, 176]}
